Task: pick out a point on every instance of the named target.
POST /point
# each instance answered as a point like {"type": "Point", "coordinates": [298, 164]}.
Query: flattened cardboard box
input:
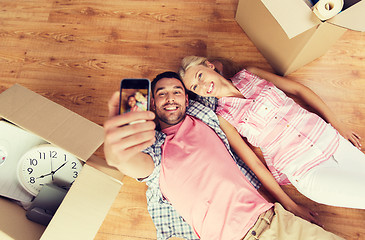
{"type": "Point", "coordinates": [91, 195]}
{"type": "Point", "coordinates": [289, 35]}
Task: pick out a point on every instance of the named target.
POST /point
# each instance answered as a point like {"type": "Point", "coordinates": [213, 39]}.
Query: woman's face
{"type": "Point", "coordinates": [204, 81]}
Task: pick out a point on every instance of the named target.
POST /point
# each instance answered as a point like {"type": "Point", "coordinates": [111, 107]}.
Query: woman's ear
{"type": "Point", "coordinates": [209, 64]}
{"type": "Point", "coordinates": [217, 66]}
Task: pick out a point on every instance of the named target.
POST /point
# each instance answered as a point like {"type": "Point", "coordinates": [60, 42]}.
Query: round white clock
{"type": "Point", "coordinates": [47, 164]}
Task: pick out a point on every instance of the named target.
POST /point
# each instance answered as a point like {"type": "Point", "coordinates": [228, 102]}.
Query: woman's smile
{"type": "Point", "coordinates": [211, 87]}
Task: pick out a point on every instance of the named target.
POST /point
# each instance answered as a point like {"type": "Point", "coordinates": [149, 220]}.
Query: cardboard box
{"type": "Point", "coordinates": [91, 195]}
{"type": "Point", "coordinates": [289, 35]}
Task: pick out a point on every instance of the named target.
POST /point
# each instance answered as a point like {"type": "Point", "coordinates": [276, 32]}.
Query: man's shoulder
{"type": "Point", "coordinates": [200, 110]}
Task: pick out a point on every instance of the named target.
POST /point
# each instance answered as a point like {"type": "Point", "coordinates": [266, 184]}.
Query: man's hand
{"type": "Point", "coordinates": [124, 141]}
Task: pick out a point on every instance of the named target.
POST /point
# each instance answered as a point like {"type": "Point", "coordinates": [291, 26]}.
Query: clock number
{"type": "Point", "coordinates": [32, 180]}
{"type": "Point", "coordinates": [53, 154]}
{"type": "Point", "coordinates": [42, 155]}
{"type": "Point", "coordinates": [74, 165]}
{"type": "Point", "coordinates": [30, 170]}
{"type": "Point", "coordinates": [33, 162]}
{"type": "Point", "coordinates": [75, 174]}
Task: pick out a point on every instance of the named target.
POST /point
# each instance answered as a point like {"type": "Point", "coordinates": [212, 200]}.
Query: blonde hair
{"type": "Point", "coordinates": [191, 61]}
{"type": "Point", "coordinates": [230, 68]}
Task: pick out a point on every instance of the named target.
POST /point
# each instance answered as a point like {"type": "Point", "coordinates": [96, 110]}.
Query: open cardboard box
{"type": "Point", "coordinates": [95, 189]}
{"type": "Point", "coordinates": [289, 35]}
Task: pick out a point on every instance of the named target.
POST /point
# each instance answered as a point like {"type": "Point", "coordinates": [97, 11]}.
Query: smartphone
{"type": "Point", "coordinates": [134, 95]}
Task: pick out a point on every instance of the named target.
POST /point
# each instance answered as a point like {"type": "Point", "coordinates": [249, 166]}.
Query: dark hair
{"type": "Point", "coordinates": [167, 74]}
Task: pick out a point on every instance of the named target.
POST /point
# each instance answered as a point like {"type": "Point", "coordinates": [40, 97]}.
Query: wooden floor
{"type": "Point", "coordinates": [75, 52]}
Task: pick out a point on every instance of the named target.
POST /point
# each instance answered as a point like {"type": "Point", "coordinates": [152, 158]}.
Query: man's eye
{"type": "Point", "coordinates": [161, 94]}
{"type": "Point", "coordinates": [177, 92]}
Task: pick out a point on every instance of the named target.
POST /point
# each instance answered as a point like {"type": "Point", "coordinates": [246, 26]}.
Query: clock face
{"type": "Point", "coordinates": [47, 164]}
{"type": "Point", "coordinates": [3, 155]}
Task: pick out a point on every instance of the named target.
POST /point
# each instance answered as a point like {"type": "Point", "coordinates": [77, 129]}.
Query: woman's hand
{"type": "Point", "coordinates": [350, 135]}
{"type": "Point", "coordinates": [304, 213]}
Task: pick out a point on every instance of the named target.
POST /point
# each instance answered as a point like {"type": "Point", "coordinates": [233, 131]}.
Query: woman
{"type": "Point", "coordinates": [299, 147]}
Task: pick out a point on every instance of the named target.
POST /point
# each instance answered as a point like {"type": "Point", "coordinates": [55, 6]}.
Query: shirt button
{"type": "Point", "coordinates": [253, 233]}
{"type": "Point", "coordinates": [287, 125]}
{"type": "Point", "coordinates": [266, 108]}
{"type": "Point", "coordinates": [276, 117]}
{"type": "Point", "coordinates": [299, 135]}
{"type": "Point", "coordinates": [311, 145]}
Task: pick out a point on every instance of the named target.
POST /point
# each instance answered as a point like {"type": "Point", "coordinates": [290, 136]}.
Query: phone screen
{"type": "Point", "coordinates": [134, 95]}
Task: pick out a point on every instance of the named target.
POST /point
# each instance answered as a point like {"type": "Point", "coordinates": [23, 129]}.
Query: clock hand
{"type": "Point", "coordinates": [59, 168]}
{"type": "Point", "coordinates": [45, 175]}
{"type": "Point", "coordinates": [52, 172]}
{"type": "Point", "coordinates": [52, 169]}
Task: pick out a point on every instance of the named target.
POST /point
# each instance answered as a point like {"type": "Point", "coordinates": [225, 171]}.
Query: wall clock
{"type": "Point", "coordinates": [47, 164]}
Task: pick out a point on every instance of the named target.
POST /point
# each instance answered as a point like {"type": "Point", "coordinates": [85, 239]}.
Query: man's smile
{"type": "Point", "coordinates": [170, 107]}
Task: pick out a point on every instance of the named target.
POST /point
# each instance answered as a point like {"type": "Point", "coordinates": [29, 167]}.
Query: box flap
{"type": "Point", "coordinates": [101, 165]}
{"type": "Point", "coordinates": [14, 224]}
{"type": "Point", "coordinates": [294, 16]}
{"type": "Point", "coordinates": [85, 206]}
{"type": "Point", "coordinates": [352, 18]}
{"type": "Point", "coordinates": [53, 122]}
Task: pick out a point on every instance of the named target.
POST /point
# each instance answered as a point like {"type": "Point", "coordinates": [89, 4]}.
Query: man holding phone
{"type": "Point", "coordinates": [191, 172]}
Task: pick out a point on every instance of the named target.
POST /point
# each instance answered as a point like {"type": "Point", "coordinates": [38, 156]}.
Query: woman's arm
{"type": "Point", "coordinates": [310, 98]}
{"type": "Point", "coordinates": [268, 181]}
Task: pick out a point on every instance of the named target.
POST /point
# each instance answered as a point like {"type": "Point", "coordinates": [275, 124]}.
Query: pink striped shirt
{"type": "Point", "coordinates": [292, 139]}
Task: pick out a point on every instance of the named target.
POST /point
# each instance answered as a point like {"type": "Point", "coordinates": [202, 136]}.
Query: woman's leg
{"type": "Point", "coordinates": [338, 181]}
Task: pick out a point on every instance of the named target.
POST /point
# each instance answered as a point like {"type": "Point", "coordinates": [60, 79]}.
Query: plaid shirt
{"type": "Point", "coordinates": [166, 219]}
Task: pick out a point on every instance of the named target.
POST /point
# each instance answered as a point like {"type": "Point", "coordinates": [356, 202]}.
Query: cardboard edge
{"type": "Point", "coordinates": [100, 164]}
{"type": "Point", "coordinates": [85, 206]}
{"type": "Point", "coordinates": [352, 18]}
{"type": "Point", "coordinates": [17, 101]}
{"type": "Point", "coordinates": [294, 16]}
{"type": "Point", "coordinates": [17, 220]}
{"type": "Point", "coordinates": [309, 52]}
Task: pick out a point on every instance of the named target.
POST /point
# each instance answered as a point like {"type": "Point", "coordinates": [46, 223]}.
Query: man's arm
{"type": "Point", "coordinates": [124, 142]}
{"type": "Point", "coordinates": [263, 174]}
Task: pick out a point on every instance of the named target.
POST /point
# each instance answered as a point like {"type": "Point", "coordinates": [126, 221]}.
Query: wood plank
{"type": "Point", "coordinates": [76, 52]}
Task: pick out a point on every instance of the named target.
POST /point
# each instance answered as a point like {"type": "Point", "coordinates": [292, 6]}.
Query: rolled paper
{"type": "Point", "coordinates": [326, 9]}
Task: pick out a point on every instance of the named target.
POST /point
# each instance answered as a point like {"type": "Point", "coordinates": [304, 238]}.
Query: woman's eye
{"type": "Point", "coordinates": [195, 87]}
{"type": "Point", "coordinates": [199, 75]}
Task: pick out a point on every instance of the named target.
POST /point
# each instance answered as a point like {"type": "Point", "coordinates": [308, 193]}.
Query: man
{"type": "Point", "coordinates": [188, 166]}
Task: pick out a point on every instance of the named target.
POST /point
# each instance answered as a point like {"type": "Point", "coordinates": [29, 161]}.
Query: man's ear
{"type": "Point", "coordinates": [152, 104]}
{"type": "Point", "coordinates": [187, 99]}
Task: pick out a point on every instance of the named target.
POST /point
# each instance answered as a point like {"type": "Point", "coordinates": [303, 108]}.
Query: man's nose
{"type": "Point", "coordinates": [170, 97]}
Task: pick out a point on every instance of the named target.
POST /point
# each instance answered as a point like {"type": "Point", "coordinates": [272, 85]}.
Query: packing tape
{"type": "Point", "coordinates": [326, 9]}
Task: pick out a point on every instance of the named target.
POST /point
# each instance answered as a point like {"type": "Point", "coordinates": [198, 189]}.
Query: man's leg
{"type": "Point", "coordinates": [286, 225]}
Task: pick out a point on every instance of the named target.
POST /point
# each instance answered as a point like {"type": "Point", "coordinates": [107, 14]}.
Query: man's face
{"type": "Point", "coordinates": [131, 101]}
{"type": "Point", "coordinates": [170, 101]}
